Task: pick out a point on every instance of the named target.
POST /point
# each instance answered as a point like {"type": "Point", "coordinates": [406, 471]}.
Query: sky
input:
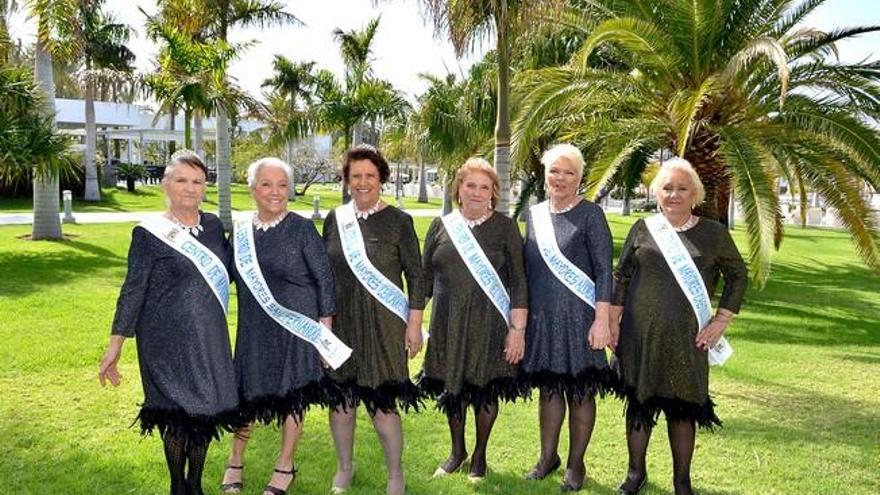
{"type": "Point", "coordinates": [405, 45]}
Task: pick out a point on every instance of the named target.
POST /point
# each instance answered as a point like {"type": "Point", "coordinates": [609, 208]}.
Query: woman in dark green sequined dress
{"type": "Point", "coordinates": [472, 352]}
{"type": "Point", "coordinates": [661, 350]}
{"type": "Point", "coordinates": [377, 372]}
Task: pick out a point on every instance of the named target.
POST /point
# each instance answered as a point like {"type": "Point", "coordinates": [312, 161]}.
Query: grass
{"type": "Point", "coordinates": [149, 198]}
{"type": "Point", "coordinates": [799, 397]}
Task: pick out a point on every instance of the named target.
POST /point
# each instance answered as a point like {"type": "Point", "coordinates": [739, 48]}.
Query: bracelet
{"type": "Point", "coordinates": [720, 319]}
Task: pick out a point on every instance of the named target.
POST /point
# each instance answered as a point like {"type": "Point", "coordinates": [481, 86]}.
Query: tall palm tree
{"type": "Point", "coordinates": [356, 47]}
{"type": "Point", "coordinates": [466, 22]}
{"type": "Point", "coordinates": [740, 89]}
{"type": "Point", "coordinates": [104, 54]}
{"type": "Point", "coordinates": [295, 83]}
{"type": "Point", "coordinates": [56, 25]}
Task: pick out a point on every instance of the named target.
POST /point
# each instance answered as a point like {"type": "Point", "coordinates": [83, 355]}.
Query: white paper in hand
{"type": "Point", "coordinates": [720, 352]}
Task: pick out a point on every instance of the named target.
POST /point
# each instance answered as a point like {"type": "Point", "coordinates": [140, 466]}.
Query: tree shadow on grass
{"type": "Point", "coordinates": [798, 415]}
{"type": "Point", "coordinates": [26, 273]}
{"type": "Point", "coordinates": [834, 304]}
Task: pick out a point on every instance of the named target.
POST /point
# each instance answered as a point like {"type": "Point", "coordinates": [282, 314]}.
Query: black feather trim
{"type": "Point", "coordinates": [505, 388]}
{"type": "Point", "coordinates": [646, 413]}
{"type": "Point", "coordinates": [589, 382]}
{"type": "Point", "coordinates": [191, 428]}
{"type": "Point", "coordinates": [275, 409]}
{"type": "Point", "coordinates": [389, 397]}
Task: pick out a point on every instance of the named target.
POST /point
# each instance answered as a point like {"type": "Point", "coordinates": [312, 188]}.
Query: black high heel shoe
{"type": "Point", "coordinates": [535, 474]}
{"type": "Point", "coordinates": [623, 491]}
{"type": "Point", "coordinates": [274, 490]}
{"type": "Point", "coordinates": [234, 487]}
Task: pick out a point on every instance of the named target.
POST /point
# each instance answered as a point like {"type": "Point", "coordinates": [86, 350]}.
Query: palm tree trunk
{"type": "Point", "coordinates": [292, 194]}
{"type": "Point", "coordinates": [502, 118]}
{"type": "Point", "coordinates": [346, 197]}
{"type": "Point", "coordinates": [93, 191]}
{"type": "Point", "coordinates": [703, 155]}
{"type": "Point", "coordinates": [357, 133]}
{"type": "Point", "coordinates": [198, 139]}
{"type": "Point", "coordinates": [447, 194]}
{"type": "Point", "coordinates": [172, 125]}
{"type": "Point", "coordinates": [423, 187]}
{"type": "Point", "coordinates": [187, 128]}
{"type": "Point", "coordinates": [47, 222]}
{"type": "Point", "coordinates": [224, 169]}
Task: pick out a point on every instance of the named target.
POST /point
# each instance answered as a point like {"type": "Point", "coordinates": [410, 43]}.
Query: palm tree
{"type": "Point", "coordinates": [737, 88]}
{"type": "Point", "coordinates": [295, 83]}
{"type": "Point", "coordinates": [468, 21]}
{"type": "Point", "coordinates": [29, 144]}
{"type": "Point", "coordinates": [56, 24]}
{"type": "Point", "coordinates": [104, 56]}
{"type": "Point", "coordinates": [356, 47]}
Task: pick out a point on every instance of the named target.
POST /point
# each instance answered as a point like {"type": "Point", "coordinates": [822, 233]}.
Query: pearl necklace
{"type": "Point", "coordinates": [264, 226]}
{"type": "Point", "coordinates": [478, 221]}
{"type": "Point", "coordinates": [690, 222]}
{"type": "Point", "coordinates": [193, 230]}
{"type": "Point", "coordinates": [358, 213]}
{"type": "Point", "coordinates": [566, 209]}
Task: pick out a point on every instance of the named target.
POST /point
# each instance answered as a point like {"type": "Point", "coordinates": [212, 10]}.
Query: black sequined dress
{"type": "Point", "coordinates": [182, 338]}
{"type": "Point", "coordinates": [660, 364]}
{"type": "Point", "coordinates": [278, 373]}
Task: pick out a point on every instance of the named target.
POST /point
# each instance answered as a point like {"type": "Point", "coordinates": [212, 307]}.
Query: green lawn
{"type": "Point", "coordinates": [149, 198]}
{"type": "Point", "coordinates": [799, 398]}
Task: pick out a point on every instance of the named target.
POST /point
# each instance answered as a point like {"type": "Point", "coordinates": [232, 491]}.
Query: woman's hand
{"type": "Point", "coordinates": [515, 345]}
{"type": "Point", "coordinates": [413, 338]}
{"type": "Point", "coordinates": [600, 334]}
{"type": "Point", "coordinates": [709, 336]}
{"type": "Point", "coordinates": [107, 370]}
{"type": "Point", "coordinates": [614, 325]}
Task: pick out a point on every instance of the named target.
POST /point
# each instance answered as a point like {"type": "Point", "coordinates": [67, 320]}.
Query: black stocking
{"type": "Point", "coordinates": [458, 451]}
{"type": "Point", "coordinates": [196, 454]}
{"type": "Point", "coordinates": [581, 419]}
{"type": "Point", "coordinates": [551, 413]}
{"type": "Point", "coordinates": [637, 438]}
{"type": "Point", "coordinates": [175, 456]}
{"type": "Point", "coordinates": [681, 441]}
{"type": "Point", "coordinates": [485, 419]}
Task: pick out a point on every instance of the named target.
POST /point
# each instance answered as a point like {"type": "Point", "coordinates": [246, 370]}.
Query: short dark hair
{"type": "Point", "coordinates": [185, 157]}
{"type": "Point", "coordinates": [366, 152]}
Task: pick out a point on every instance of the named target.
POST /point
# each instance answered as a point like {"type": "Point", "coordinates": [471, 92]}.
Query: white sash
{"type": "Point", "coordinates": [567, 272]}
{"type": "Point", "coordinates": [688, 277]}
{"type": "Point", "coordinates": [209, 265]}
{"type": "Point", "coordinates": [333, 350]}
{"type": "Point", "coordinates": [368, 275]}
{"type": "Point", "coordinates": [477, 262]}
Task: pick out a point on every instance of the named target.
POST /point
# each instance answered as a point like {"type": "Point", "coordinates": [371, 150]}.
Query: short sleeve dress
{"type": "Point", "coordinates": [465, 361]}
{"type": "Point", "coordinates": [278, 373]}
{"type": "Point", "coordinates": [182, 338]}
{"type": "Point", "coordinates": [377, 372]}
{"type": "Point", "coordinates": [660, 364]}
{"type": "Point", "coordinates": [558, 356]}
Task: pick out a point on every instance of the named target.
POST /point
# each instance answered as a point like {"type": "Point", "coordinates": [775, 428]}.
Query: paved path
{"type": "Point", "coordinates": [137, 216]}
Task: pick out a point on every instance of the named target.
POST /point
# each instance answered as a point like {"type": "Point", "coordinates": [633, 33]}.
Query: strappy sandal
{"type": "Point", "coordinates": [274, 490]}
{"type": "Point", "coordinates": [234, 487]}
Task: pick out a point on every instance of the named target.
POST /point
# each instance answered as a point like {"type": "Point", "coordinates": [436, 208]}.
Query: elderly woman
{"type": "Point", "coordinates": [371, 244]}
{"type": "Point", "coordinates": [477, 325]}
{"type": "Point", "coordinates": [174, 302]}
{"type": "Point", "coordinates": [568, 265]}
{"type": "Point", "coordinates": [668, 270]}
{"type": "Point", "coordinates": [278, 370]}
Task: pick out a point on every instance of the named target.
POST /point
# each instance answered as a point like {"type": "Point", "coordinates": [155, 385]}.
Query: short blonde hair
{"type": "Point", "coordinates": [270, 161]}
{"type": "Point", "coordinates": [567, 151]}
{"type": "Point", "coordinates": [476, 164]}
{"type": "Point", "coordinates": [682, 165]}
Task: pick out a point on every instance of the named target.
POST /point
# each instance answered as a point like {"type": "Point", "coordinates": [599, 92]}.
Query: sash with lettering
{"type": "Point", "coordinates": [477, 262]}
{"type": "Point", "coordinates": [209, 265]}
{"type": "Point", "coordinates": [368, 275]}
{"type": "Point", "coordinates": [562, 268]}
{"type": "Point", "coordinates": [333, 350]}
{"type": "Point", "coordinates": [689, 280]}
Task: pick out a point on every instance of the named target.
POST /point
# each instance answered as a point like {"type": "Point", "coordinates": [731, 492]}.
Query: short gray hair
{"type": "Point", "coordinates": [567, 151]}
{"type": "Point", "coordinates": [270, 161]}
{"type": "Point", "coordinates": [680, 164]}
